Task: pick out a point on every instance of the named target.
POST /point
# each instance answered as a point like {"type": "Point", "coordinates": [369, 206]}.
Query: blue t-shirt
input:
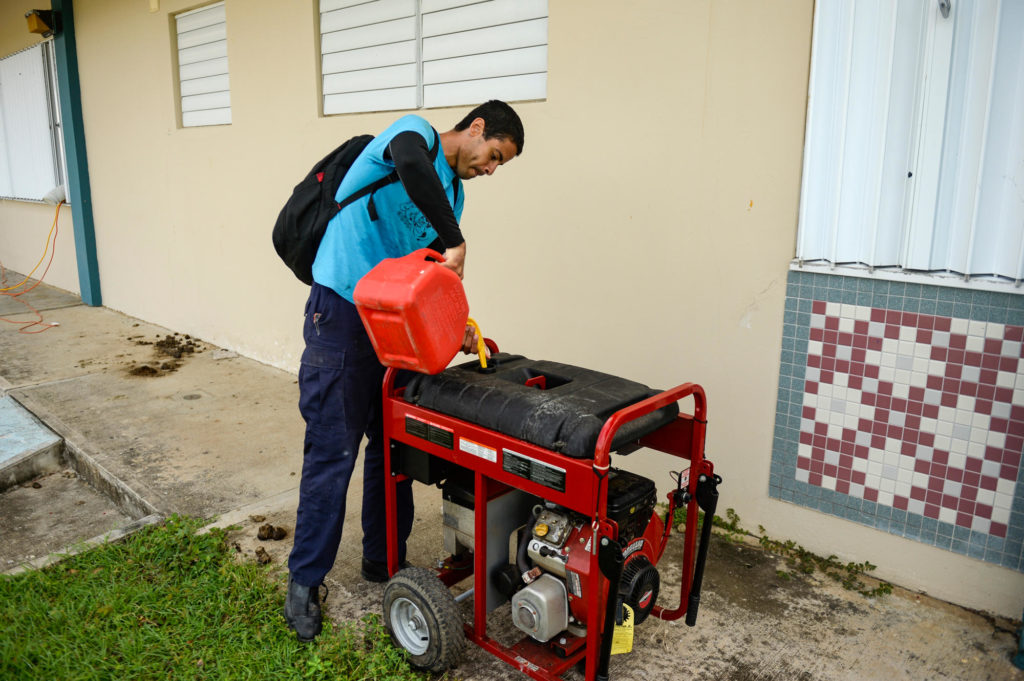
{"type": "Point", "coordinates": [353, 243]}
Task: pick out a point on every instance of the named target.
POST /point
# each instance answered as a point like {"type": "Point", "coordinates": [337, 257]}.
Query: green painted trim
{"type": "Point", "coordinates": [74, 151]}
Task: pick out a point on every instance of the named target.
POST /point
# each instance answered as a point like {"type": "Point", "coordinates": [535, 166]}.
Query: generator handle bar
{"type": "Point", "coordinates": [602, 452]}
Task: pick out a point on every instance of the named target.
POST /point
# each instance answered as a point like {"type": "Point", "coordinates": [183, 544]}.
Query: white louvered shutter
{"type": "Point", "coordinates": [386, 55]}
{"type": "Point", "coordinates": [369, 55]}
{"type": "Point", "coordinates": [203, 66]}
{"type": "Point", "coordinates": [475, 51]}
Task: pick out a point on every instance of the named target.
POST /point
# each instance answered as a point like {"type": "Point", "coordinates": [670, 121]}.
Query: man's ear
{"type": "Point", "coordinates": [476, 127]}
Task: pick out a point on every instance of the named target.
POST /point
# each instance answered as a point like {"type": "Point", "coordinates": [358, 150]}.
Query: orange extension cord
{"type": "Point", "coordinates": [10, 291]}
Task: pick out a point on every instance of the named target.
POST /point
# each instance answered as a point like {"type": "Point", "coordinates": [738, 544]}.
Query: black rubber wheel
{"type": "Point", "coordinates": [424, 619]}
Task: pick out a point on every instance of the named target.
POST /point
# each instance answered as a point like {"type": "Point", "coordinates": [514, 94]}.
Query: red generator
{"type": "Point", "coordinates": [534, 511]}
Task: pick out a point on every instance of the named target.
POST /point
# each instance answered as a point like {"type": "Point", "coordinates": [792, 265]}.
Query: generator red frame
{"type": "Point", "coordinates": [586, 489]}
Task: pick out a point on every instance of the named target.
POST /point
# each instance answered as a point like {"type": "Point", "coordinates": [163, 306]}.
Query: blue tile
{"type": "Point", "coordinates": [995, 543]}
{"type": "Point", "coordinates": [912, 532]}
{"type": "Point", "coordinates": [993, 556]}
{"type": "Point", "coordinates": [913, 290]}
{"type": "Point", "coordinates": [1009, 561]}
{"type": "Point", "coordinates": [958, 546]}
{"type": "Point", "coordinates": [804, 305]}
{"type": "Point", "coordinates": [909, 304]}
{"type": "Point", "coordinates": [927, 306]}
{"type": "Point", "coordinates": [882, 524]}
{"type": "Point", "coordinates": [962, 533]}
{"type": "Point", "coordinates": [943, 542]}
{"type": "Point", "coordinates": [944, 530]}
{"type": "Point", "coordinates": [962, 310]}
{"type": "Point", "coordinates": [899, 516]}
{"type": "Point", "coordinates": [962, 295]}
{"type": "Point", "coordinates": [944, 309]}
{"type": "Point", "coordinates": [897, 288]}
{"type": "Point", "coordinates": [914, 520]}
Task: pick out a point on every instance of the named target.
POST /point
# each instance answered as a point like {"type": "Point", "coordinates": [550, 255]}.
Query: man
{"type": "Point", "coordinates": [340, 377]}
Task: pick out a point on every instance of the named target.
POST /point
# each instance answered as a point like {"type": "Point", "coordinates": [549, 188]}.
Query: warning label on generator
{"type": "Point", "coordinates": [477, 449]}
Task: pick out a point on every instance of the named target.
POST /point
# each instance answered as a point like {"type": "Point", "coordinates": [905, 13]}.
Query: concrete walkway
{"type": "Point", "coordinates": [135, 422]}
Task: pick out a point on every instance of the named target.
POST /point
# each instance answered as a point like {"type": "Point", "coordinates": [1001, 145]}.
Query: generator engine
{"type": "Point", "coordinates": [549, 580]}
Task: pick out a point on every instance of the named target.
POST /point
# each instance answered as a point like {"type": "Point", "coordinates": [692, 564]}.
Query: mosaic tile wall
{"type": "Point", "coordinates": [901, 407]}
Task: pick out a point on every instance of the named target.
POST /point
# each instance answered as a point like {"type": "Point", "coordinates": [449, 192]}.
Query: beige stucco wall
{"type": "Point", "coordinates": [24, 226]}
{"type": "Point", "coordinates": [646, 230]}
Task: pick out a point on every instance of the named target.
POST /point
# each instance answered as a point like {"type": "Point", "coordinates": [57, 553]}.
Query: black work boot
{"type": "Point", "coordinates": [377, 571]}
{"type": "Point", "coordinates": [302, 610]}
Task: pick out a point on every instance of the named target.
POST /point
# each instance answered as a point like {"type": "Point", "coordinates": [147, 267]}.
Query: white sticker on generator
{"type": "Point", "coordinates": [477, 449]}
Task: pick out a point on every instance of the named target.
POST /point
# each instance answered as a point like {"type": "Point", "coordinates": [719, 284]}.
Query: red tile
{"type": "Point", "coordinates": [870, 494]}
{"type": "Point", "coordinates": [855, 381]}
{"type": "Point", "coordinates": [821, 428]}
{"type": "Point", "coordinates": [860, 356]}
{"type": "Point", "coordinates": [917, 493]}
{"type": "Point", "coordinates": [940, 456]}
{"type": "Point", "coordinates": [832, 323]}
{"type": "Point", "coordinates": [818, 306]}
{"type": "Point", "coordinates": [878, 441]}
{"type": "Point", "coordinates": [1009, 364]}
{"type": "Point", "coordinates": [926, 321]}
{"type": "Point", "coordinates": [808, 412]}
{"type": "Point", "coordinates": [931, 511]}
{"type": "Point", "coordinates": [949, 397]}
{"type": "Point", "coordinates": [933, 497]}
{"type": "Point", "coordinates": [993, 454]}
{"type": "Point", "coordinates": [1014, 333]}
{"type": "Point", "coordinates": [973, 359]}
{"type": "Point", "coordinates": [881, 416]}
{"type": "Point", "coordinates": [884, 388]}
{"type": "Point", "coordinates": [916, 394]}
{"type": "Point", "coordinates": [819, 442]}
{"type": "Point", "coordinates": [883, 401]}
{"type": "Point", "coordinates": [988, 482]}
{"type": "Point", "coordinates": [892, 317]}
{"type": "Point", "coordinates": [934, 382]}
{"type": "Point", "coordinates": [973, 466]}
{"type": "Point", "coordinates": [997, 425]}
{"type": "Point", "coordinates": [1004, 395]}
{"type": "Point", "coordinates": [845, 466]}
{"type": "Point", "coordinates": [938, 473]}
{"type": "Point", "coordinates": [826, 376]}
{"type": "Point", "coordinates": [943, 323]}
{"type": "Point", "coordinates": [859, 340]}
{"type": "Point", "coordinates": [845, 338]}
{"type": "Point", "coordinates": [983, 406]}
{"type": "Point", "coordinates": [955, 356]}
{"type": "Point", "coordinates": [954, 370]}
{"type": "Point", "coordinates": [997, 530]}
{"type": "Point", "coordinates": [938, 353]}
{"type": "Point", "coordinates": [828, 363]}
{"type": "Point", "coordinates": [811, 387]}
{"type": "Point", "coordinates": [1008, 472]}
{"type": "Point", "coordinates": [931, 411]}
{"type": "Point", "coordinates": [816, 334]}
{"type": "Point", "coordinates": [963, 519]}
{"type": "Point", "coordinates": [986, 391]}
{"type": "Point", "coordinates": [817, 466]}
{"type": "Point", "coordinates": [891, 331]}
{"type": "Point", "coordinates": [983, 510]}
{"type": "Point", "coordinates": [842, 486]}
{"type": "Point", "coordinates": [861, 452]}
{"type": "Point", "coordinates": [874, 343]}
{"type": "Point", "coordinates": [988, 377]}
{"type": "Point", "coordinates": [908, 449]}
{"type": "Point", "coordinates": [912, 422]}
{"type": "Point", "coordinates": [814, 361]}
{"type": "Point", "coordinates": [993, 346]}
{"type": "Point", "coordinates": [957, 341]}
{"type": "Point", "coordinates": [922, 466]}
{"type": "Point", "coordinates": [899, 405]}
{"type": "Point", "coordinates": [968, 388]}
{"type": "Point", "coordinates": [909, 319]}
{"type": "Point", "coordinates": [831, 470]}
{"type": "Point", "coordinates": [857, 477]}
{"type": "Point", "coordinates": [849, 435]}
{"type": "Point", "coordinates": [830, 337]}
{"type": "Point", "coordinates": [926, 439]}
{"type": "Point", "coordinates": [990, 362]}
{"type": "Point", "coordinates": [1011, 458]}
{"type": "Point", "coordinates": [833, 445]}
{"type": "Point", "coordinates": [949, 501]}
{"type": "Point", "coordinates": [842, 366]}
{"type": "Point", "coordinates": [871, 371]}
{"type": "Point", "coordinates": [971, 479]}
{"type": "Point", "coordinates": [954, 474]}
{"type": "Point", "coordinates": [860, 327]}
{"type": "Point", "coordinates": [1017, 413]}
{"type": "Point", "coordinates": [967, 492]}
{"type": "Point", "coordinates": [877, 314]}
{"type": "Point", "coordinates": [814, 479]}
{"type": "Point", "coordinates": [803, 463]}
{"type": "Point", "coordinates": [868, 398]}
{"type": "Point", "coordinates": [846, 448]}
{"type": "Point", "coordinates": [899, 502]}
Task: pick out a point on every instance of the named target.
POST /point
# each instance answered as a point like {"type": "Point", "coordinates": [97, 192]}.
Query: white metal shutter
{"type": "Point", "coordinates": [203, 66]}
{"type": "Point", "coordinates": [28, 161]}
{"type": "Point", "coordinates": [914, 151]}
{"type": "Point", "coordinates": [474, 51]}
{"type": "Point", "coordinates": [369, 55]}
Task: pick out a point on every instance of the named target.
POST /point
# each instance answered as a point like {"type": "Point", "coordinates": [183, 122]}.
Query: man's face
{"type": "Point", "coordinates": [480, 156]}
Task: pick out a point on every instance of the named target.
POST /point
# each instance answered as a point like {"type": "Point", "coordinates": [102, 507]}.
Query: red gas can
{"type": "Point", "coordinates": [414, 311]}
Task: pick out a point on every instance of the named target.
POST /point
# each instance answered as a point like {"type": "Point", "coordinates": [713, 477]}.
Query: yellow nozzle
{"type": "Point", "coordinates": [481, 347]}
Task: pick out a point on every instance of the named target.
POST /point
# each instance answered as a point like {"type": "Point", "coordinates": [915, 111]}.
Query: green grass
{"type": "Point", "coordinates": [171, 604]}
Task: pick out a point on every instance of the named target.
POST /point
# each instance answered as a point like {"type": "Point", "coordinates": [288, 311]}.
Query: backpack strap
{"type": "Point", "coordinates": [383, 182]}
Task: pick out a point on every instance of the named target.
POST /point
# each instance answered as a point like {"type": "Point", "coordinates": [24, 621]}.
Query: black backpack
{"type": "Point", "coordinates": [303, 220]}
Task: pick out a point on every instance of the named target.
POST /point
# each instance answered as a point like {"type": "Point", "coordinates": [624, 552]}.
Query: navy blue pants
{"type": "Point", "coordinates": [340, 400]}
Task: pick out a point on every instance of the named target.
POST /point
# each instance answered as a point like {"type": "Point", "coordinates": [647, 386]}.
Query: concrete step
{"type": "Point", "coordinates": [28, 448]}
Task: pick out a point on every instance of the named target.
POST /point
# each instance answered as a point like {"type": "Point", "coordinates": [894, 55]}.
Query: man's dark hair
{"type": "Point", "coordinates": [500, 121]}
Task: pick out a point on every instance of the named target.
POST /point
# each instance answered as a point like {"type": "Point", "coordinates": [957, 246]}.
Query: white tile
{"type": "Point", "coordinates": [957, 447]}
{"type": "Point", "coordinates": [919, 379]}
{"type": "Point", "coordinates": [888, 360]}
{"type": "Point", "coordinates": [958, 325]}
{"type": "Point", "coordinates": [812, 374]}
{"type": "Point", "coordinates": [1000, 410]}
{"type": "Point", "coordinates": [975, 343]}
{"type": "Point", "coordinates": [997, 440]}
{"type": "Point", "coordinates": [844, 352]}
{"type": "Point", "coordinates": [870, 385]}
{"type": "Point", "coordinates": [876, 329]}
{"type": "Point", "coordinates": [1006, 379]}
{"type": "Point", "coordinates": [853, 404]}
{"type": "Point", "coordinates": [990, 469]}
{"type": "Point", "coordinates": [890, 345]}
{"type": "Point", "coordinates": [995, 330]}
{"type": "Point", "coordinates": [976, 328]}
{"type": "Point", "coordinates": [1003, 501]}
{"type": "Point", "coordinates": [1006, 487]}
{"type": "Point", "coordinates": [863, 438]}
{"type": "Point", "coordinates": [971, 374]}
{"type": "Point", "coordinates": [963, 417]}
{"type": "Point", "coordinates": [1011, 348]}
{"type": "Point", "coordinates": [872, 357]}
{"type": "Point", "coordinates": [903, 489]}
{"type": "Point", "coordinates": [814, 347]}
{"type": "Point", "coordinates": [947, 515]}
{"type": "Point", "coordinates": [965, 403]}
{"type": "Point", "coordinates": [986, 496]}
{"type": "Point", "coordinates": [803, 451]}
{"type": "Point", "coordinates": [862, 313]}
{"type": "Point", "coordinates": [980, 422]}
{"type": "Point", "coordinates": [908, 333]}
{"type": "Point", "coordinates": [835, 430]}
{"type": "Point", "coordinates": [921, 350]}
{"type": "Point", "coordinates": [957, 460]}
{"type": "Point", "coordinates": [1018, 396]}
{"type": "Point", "coordinates": [928, 425]}
{"type": "Point", "coordinates": [846, 324]}
{"type": "Point", "coordinates": [832, 309]}
{"type": "Point", "coordinates": [915, 506]}
{"type": "Point", "coordinates": [817, 321]}
{"type": "Point", "coordinates": [936, 368]}
{"type": "Point", "coordinates": [944, 428]}
{"type": "Point", "coordinates": [885, 498]}
{"type": "Point", "coordinates": [874, 474]}
{"type": "Point", "coordinates": [940, 339]}
{"type": "Point", "coordinates": [921, 480]}
{"type": "Point", "coordinates": [901, 384]}
{"type": "Point", "coordinates": [847, 311]}
{"type": "Point", "coordinates": [851, 421]}
{"type": "Point", "coordinates": [886, 373]}
{"type": "Point", "coordinates": [860, 465]}
{"type": "Point", "coordinates": [906, 347]}
{"type": "Point", "coordinates": [976, 450]}
{"type": "Point", "coordinates": [840, 379]}
{"type": "Point", "coordinates": [979, 524]}
{"type": "Point", "coordinates": [828, 483]}
{"type": "Point", "coordinates": [942, 441]}
{"type": "Point", "coordinates": [891, 460]}
{"type": "Point", "coordinates": [835, 420]}
{"type": "Point", "coordinates": [867, 411]}
{"type": "Point", "coordinates": [1001, 515]}
{"type": "Point", "coordinates": [802, 475]}
{"type": "Point", "coordinates": [856, 491]}
{"type": "Point", "coordinates": [897, 419]}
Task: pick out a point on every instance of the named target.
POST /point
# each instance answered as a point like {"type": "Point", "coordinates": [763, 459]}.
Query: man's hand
{"type": "Point", "coordinates": [471, 340]}
{"type": "Point", "coordinates": [455, 258]}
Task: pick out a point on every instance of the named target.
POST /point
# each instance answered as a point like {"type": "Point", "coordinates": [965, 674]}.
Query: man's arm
{"type": "Point", "coordinates": [412, 162]}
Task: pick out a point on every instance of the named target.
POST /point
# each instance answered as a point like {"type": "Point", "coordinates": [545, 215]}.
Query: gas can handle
{"type": "Point", "coordinates": [428, 253]}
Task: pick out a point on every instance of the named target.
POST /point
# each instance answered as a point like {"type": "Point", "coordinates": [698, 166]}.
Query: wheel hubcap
{"type": "Point", "coordinates": [410, 626]}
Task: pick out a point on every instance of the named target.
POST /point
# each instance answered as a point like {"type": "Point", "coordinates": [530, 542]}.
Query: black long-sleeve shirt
{"type": "Point", "coordinates": [415, 170]}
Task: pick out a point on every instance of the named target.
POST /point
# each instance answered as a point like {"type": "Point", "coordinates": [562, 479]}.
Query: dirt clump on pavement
{"type": "Point", "coordinates": [172, 346]}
